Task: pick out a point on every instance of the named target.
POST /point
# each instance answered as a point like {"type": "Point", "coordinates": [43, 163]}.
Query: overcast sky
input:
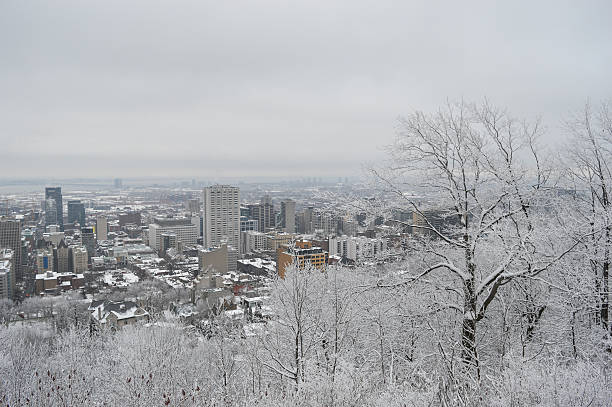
{"type": "Point", "coordinates": [237, 88]}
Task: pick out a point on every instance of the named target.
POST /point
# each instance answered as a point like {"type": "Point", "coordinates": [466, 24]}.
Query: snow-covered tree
{"type": "Point", "coordinates": [484, 171]}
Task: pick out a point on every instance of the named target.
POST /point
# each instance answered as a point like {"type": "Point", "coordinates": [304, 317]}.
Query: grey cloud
{"type": "Point", "coordinates": [259, 82]}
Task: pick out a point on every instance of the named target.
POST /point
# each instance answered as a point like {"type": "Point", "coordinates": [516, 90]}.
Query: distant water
{"type": "Point", "coordinates": [16, 187]}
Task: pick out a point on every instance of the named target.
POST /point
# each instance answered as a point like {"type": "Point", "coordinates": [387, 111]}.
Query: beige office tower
{"type": "Point", "coordinates": [221, 215]}
{"type": "Point", "coordinates": [101, 228]}
{"type": "Point", "coordinates": [63, 257]}
{"type": "Point", "coordinates": [79, 259]}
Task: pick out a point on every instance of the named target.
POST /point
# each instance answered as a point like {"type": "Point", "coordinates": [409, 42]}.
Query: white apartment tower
{"type": "Point", "coordinates": [221, 215]}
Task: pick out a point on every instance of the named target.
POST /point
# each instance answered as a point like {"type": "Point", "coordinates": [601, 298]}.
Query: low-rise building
{"type": "Point", "coordinates": [117, 314]}
{"type": "Point", "coordinates": [185, 231]}
{"type": "Point", "coordinates": [258, 267]}
{"type": "Point", "coordinates": [251, 241]}
{"type": "Point", "coordinates": [53, 283]}
{"type": "Point", "coordinates": [301, 253]}
{"type": "Point", "coordinates": [214, 260]}
{"type": "Point", "coordinates": [276, 240]}
{"type": "Point", "coordinates": [356, 248]}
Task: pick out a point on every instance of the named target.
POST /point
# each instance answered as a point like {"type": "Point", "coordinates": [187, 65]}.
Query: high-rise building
{"type": "Point", "coordinates": [62, 258]}
{"type": "Point", "coordinates": [7, 278]}
{"type": "Point", "coordinates": [287, 217]}
{"type": "Point", "coordinates": [263, 213]}
{"type": "Point", "coordinates": [79, 259]}
{"type": "Point", "coordinates": [196, 220]}
{"type": "Point", "coordinates": [221, 215]}
{"type": "Point", "coordinates": [248, 224]}
{"type": "Point", "coordinates": [76, 212]}
{"type": "Point", "coordinates": [10, 238]}
{"type": "Point", "coordinates": [88, 239]}
{"type": "Point", "coordinates": [305, 220]}
{"type": "Point", "coordinates": [101, 227]}
{"type": "Point", "coordinates": [55, 194]}
{"type": "Point", "coordinates": [118, 183]}
{"type": "Point", "coordinates": [51, 214]}
{"type": "Point", "coordinates": [325, 223]}
{"type": "Point", "coordinates": [44, 261]}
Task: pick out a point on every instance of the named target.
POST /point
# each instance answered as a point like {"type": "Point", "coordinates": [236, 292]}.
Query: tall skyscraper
{"type": "Point", "coordinates": [55, 194]}
{"type": "Point", "coordinates": [51, 213]}
{"type": "Point", "coordinates": [10, 238]}
{"type": "Point", "coordinates": [288, 215]}
{"type": "Point", "coordinates": [76, 212]}
{"type": "Point", "coordinates": [101, 227]}
{"type": "Point", "coordinates": [221, 215]}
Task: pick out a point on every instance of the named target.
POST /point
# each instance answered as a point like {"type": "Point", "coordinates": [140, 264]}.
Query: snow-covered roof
{"type": "Point", "coordinates": [101, 310]}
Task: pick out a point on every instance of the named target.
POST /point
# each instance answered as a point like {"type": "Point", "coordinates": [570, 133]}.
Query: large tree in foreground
{"type": "Point", "coordinates": [484, 170]}
{"type": "Point", "coordinates": [590, 154]}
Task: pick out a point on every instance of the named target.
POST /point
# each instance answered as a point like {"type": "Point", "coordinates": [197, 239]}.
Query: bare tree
{"type": "Point", "coordinates": [590, 153]}
{"type": "Point", "coordinates": [483, 170]}
{"type": "Point", "coordinates": [294, 333]}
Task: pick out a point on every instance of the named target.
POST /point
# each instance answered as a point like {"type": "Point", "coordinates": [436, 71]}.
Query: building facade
{"type": "Point", "coordinates": [56, 215]}
{"type": "Point", "coordinates": [79, 259]}
{"type": "Point", "coordinates": [101, 228]}
{"type": "Point", "coordinates": [185, 232]}
{"type": "Point", "coordinates": [301, 253]}
{"type": "Point", "coordinates": [287, 217]}
{"type": "Point", "coordinates": [221, 215]}
{"type": "Point", "coordinates": [356, 248]}
{"type": "Point", "coordinates": [7, 277]}
{"type": "Point", "coordinates": [10, 238]}
{"type": "Point", "coordinates": [44, 260]}
{"type": "Point", "coordinates": [88, 239]}
{"type": "Point", "coordinates": [76, 212]}
{"type": "Point", "coordinates": [252, 240]}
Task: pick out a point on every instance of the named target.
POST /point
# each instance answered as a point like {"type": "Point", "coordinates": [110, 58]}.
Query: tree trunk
{"type": "Point", "coordinates": [605, 294]}
{"type": "Point", "coordinates": [468, 333]}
